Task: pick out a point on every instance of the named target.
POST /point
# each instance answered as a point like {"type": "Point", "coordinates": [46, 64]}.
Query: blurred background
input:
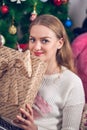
{"type": "Point", "coordinates": [16, 15]}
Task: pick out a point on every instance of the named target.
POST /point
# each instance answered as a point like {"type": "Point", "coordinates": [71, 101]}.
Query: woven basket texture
{"type": "Point", "coordinates": [20, 78]}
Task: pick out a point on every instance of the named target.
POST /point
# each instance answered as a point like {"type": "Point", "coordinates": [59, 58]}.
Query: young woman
{"type": "Point", "coordinates": [60, 100]}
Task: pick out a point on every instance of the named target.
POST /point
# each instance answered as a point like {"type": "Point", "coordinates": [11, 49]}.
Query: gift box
{"type": "Point", "coordinates": [20, 78]}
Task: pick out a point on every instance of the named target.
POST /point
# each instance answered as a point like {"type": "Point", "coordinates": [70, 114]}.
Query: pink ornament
{"type": "Point", "coordinates": [65, 1]}
{"type": "Point", "coordinates": [33, 15]}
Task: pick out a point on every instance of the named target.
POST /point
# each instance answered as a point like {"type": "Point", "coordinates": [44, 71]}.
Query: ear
{"type": "Point", "coordinates": [60, 43]}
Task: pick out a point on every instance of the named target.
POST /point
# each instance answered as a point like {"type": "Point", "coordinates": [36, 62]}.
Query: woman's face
{"type": "Point", "coordinates": [43, 43]}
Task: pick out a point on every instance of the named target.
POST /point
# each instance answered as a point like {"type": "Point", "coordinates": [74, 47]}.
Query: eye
{"type": "Point", "coordinates": [32, 40]}
{"type": "Point", "coordinates": [44, 41]}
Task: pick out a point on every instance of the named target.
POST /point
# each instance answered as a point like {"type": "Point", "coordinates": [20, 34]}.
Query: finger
{"type": "Point", "coordinates": [22, 121]}
{"type": "Point", "coordinates": [29, 109]}
{"type": "Point", "coordinates": [26, 115]}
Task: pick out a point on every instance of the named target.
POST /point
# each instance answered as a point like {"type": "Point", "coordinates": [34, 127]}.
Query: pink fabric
{"type": "Point", "coordinates": [79, 47]}
{"type": "Point", "coordinates": [40, 107]}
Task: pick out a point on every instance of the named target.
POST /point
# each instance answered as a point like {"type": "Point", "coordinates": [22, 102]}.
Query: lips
{"type": "Point", "coordinates": [38, 53]}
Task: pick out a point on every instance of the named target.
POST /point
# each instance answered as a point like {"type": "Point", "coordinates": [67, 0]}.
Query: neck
{"type": "Point", "coordinates": [53, 69]}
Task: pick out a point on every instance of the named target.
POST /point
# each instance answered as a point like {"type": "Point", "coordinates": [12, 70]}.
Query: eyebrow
{"type": "Point", "coordinates": [42, 37]}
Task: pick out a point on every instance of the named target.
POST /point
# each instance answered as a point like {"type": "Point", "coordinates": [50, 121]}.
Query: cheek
{"type": "Point", "coordinates": [30, 47]}
{"type": "Point", "coordinates": [52, 50]}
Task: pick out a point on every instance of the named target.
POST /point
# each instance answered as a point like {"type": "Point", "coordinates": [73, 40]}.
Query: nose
{"type": "Point", "coordinates": [37, 46]}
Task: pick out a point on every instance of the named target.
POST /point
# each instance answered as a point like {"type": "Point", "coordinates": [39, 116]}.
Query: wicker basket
{"type": "Point", "coordinates": [20, 78]}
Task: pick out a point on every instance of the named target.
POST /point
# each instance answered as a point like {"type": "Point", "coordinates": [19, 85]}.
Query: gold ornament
{"type": "Point", "coordinates": [12, 30]}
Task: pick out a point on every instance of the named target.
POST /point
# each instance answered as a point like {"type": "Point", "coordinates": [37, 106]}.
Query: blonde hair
{"type": "Point", "coordinates": [64, 56]}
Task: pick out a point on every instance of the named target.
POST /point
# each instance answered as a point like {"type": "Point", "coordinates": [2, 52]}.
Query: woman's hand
{"type": "Point", "coordinates": [26, 123]}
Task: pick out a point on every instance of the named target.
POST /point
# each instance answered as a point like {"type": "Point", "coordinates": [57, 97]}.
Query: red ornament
{"type": "Point", "coordinates": [24, 46]}
{"type": "Point", "coordinates": [58, 2]}
{"type": "Point", "coordinates": [4, 9]}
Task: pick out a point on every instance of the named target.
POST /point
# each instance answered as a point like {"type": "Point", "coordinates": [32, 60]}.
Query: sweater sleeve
{"type": "Point", "coordinates": [73, 108]}
{"type": "Point", "coordinates": [72, 117]}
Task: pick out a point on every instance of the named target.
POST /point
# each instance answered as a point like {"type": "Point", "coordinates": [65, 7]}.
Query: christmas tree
{"type": "Point", "coordinates": [16, 15]}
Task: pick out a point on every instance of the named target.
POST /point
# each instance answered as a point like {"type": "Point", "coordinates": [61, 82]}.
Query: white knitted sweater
{"type": "Point", "coordinates": [59, 102]}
